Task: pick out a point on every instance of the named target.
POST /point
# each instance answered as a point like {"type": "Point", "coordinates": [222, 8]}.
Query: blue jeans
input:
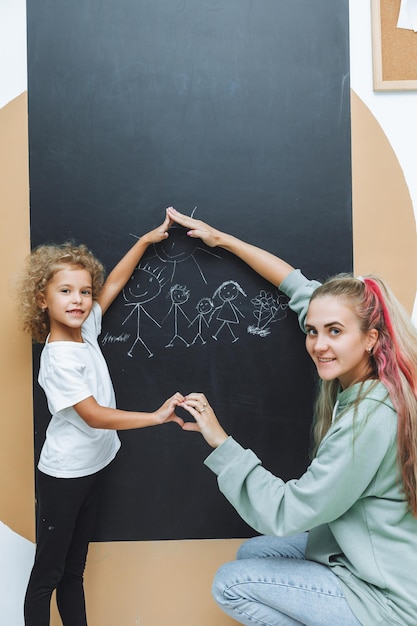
{"type": "Point", "coordinates": [272, 583]}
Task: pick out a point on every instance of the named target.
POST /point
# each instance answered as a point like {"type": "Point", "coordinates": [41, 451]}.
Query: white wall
{"type": "Point", "coordinates": [16, 552]}
{"type": "Point", "coordinates": [13, 76]}
{"type": "Point", "coordinates": [396, 113]}
{"type": "Point", "coordinates": [15, 564]}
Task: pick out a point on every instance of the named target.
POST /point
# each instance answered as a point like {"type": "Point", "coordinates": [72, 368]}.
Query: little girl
{"type": "Point", "coordinates": [63, 299]}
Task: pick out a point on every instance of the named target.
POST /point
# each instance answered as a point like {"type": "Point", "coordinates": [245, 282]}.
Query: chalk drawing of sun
{"type": "Point", "coordinates": [178, 247]}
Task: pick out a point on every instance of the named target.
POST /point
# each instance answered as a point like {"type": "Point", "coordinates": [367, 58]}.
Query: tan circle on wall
{"type": "Point", "coordinates": [124, 580]}
{"type": "Point", "coordinates": [384, 226]}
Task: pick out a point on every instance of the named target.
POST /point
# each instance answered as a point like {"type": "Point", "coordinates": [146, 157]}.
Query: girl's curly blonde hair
{"type": "Point", "coordinates": [41, 265]}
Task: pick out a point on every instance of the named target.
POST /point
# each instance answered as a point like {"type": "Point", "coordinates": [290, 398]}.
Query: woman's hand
{"type": "Point", "coordinates": [264, 263]}
{"type": "Point", "coordinates": [206, 422]}
{"type": "Point", "coordinates": [166, 412]}
{"type": "Point", "coordinates": [197, 228]}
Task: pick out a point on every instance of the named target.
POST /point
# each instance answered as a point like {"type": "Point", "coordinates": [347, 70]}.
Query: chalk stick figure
{"type": "Point", "coordinates": [179, 295]}
{"type": "Point", "coordinates": [204, 307]}
{"type": "Point", "coordinates": [227, 313]}
{"type": "Point", "coordinates": [144, 285]}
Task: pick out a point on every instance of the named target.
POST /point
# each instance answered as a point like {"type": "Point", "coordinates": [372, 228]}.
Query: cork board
{"type": "Point", "coordinates": [394, 49]}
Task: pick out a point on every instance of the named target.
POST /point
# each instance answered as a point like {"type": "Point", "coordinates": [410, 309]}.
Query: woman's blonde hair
{"type": "Point", "coordinates": [41, 265]}
{"type": "Point", "coordinates": [393, 361]}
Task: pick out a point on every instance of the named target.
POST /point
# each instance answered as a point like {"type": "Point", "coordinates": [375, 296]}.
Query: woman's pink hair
{"type": "Point", "coordinates": [393, 366]}
{"type": "Point", "coordinates": [387, 353]}
{"type": "Point", "coordinates": [393, 361]}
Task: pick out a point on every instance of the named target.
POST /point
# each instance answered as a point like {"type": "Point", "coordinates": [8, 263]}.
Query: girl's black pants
{"type": "Point", "coordinates": [66, 514]}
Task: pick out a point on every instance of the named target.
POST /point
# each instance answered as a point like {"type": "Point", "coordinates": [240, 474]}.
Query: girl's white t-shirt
{"type": "Point", "coordinates": [70, 372]}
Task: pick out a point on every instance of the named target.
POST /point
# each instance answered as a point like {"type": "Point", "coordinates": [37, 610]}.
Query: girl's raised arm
{"type": "Point", "coordinates": [121, 273]}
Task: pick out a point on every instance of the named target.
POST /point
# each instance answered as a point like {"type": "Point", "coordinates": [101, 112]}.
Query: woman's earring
{"type": "Point", "coordinates": [369, 350]}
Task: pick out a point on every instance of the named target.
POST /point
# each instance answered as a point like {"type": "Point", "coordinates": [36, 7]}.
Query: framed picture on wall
{"type": "Point", "coordinates": [394, 48]}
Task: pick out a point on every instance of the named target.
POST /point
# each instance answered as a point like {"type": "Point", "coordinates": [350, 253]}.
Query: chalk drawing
{"type": "Point", "coordinates": [217, 316]}
{"type": "Point", "coordinates": [267, 310]}
{"type": "Point", "coordinates": [179, 247]}
{"type": "Point", "coordinates": [204, 307]}
{"type": "Point", "coordinates": [179, 295]}
{"type": "Point", "coordinates": [227, 312]}
{"type": "Point", "coordinates": [144, 285]}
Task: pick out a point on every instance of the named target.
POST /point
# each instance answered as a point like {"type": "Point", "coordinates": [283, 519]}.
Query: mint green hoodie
{"type": "Point", "coordinates": [349, 499]}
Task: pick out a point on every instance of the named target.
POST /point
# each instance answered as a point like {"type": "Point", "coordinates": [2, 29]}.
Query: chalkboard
{"type": "Point", "coordinates": [235, 111]}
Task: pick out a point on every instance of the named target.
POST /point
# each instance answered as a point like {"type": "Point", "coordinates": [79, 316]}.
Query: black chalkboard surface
{"type": "Point", "coordinates": [235, 111]}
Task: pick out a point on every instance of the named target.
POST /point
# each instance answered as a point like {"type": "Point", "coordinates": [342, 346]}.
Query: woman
{"type": "Point", "coordinates": [340, 543]}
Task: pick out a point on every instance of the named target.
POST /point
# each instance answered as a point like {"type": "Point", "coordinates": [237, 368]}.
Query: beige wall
{"type": "Point", "coordinates": [161, 583]}
{"type": "Point", "coordinates": [384, 226]}
{"type": "Point", "coordinates": [16, 455]}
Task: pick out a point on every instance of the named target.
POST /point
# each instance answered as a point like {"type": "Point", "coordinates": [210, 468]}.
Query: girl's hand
{"type": "Point", "coordinates": [206, 421]}
{"type": "Point", "coordinates": [166, 412]}
{"type": "Point", "coordinates": [160, 233]}
{"type": "Point", "coordinates": [121, 273]}
{"type": "Point", "coordinates": [198, 229]}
